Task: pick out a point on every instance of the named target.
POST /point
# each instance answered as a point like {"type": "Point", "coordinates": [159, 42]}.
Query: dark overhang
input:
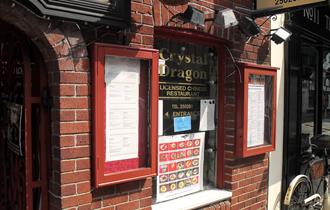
{"type": "Point", "coordinates": [116, 13]}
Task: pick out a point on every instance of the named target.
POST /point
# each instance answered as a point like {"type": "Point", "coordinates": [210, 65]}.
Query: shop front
{"type": "Point", "coordinates": [307, 84]}
{"type": "Point", "coordinates": [123, 105]}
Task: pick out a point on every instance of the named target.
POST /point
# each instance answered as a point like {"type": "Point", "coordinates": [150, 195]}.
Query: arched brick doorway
{"type": "Point", "coordinates": [24, 123]}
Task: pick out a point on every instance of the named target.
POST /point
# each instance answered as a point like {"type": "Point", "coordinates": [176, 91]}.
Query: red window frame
{"type": "Point", "coordinates": [193, 37]}
{"type": "Point", "coordinates": [241, 147]}
{"type": "Point", "coordinates": [103, 177]}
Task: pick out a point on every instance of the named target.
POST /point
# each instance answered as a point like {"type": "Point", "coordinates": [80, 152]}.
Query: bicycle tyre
{"type": "Point", "coordinates": [298, 190]}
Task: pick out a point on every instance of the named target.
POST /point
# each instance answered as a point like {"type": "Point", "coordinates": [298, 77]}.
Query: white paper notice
{"type": "Point", "coordinates": [180, 165]}
{"type": "Point", "coordinates": [122, 78]}
{"type": "Point", "coordinates": [256, 114]}
{"type": "Point", "coordinates": [160, 117]}
{"type": "Point", "coordinates": [206, 122]}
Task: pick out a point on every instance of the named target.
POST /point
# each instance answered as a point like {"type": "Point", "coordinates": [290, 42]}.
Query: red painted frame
{"type": "Point", "coordinates": [241, 147]}
{"type": "Point", "coordinates": [101, 177]}
{"type": "Point", "coordinates": [193, 36]}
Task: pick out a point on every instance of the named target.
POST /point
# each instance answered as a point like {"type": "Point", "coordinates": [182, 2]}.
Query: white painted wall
{"type": "Point", "coordinates": [276, 157]}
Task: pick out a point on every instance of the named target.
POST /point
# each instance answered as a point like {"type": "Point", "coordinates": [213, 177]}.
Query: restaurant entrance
{"type": "Point", "coordinates": [23, 123]}
{"type": "Point", "coordinates": [307, 88]}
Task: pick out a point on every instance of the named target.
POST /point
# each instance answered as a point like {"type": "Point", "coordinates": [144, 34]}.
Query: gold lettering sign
{"type": "Point", "coordinates": [263, 4]}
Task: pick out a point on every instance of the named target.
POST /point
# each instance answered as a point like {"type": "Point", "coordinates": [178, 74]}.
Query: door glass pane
{"type": "Point", "coordinates": [308, 78]}
{"type": "Point", "coordinates": [326, 94]}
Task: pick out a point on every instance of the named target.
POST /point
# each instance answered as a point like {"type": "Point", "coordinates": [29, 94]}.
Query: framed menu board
{"type": "Point", "coordinates": [125, 113]}
{"type": "Point", "coordinates": [255, 109]}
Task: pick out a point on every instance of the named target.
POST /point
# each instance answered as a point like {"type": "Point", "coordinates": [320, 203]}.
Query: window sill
{"type": "Point", "coordinates": [195, 200]}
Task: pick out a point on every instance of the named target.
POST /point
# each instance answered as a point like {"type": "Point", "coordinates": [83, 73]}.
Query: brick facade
{"type": "Point", "coordinates": [64, 49]}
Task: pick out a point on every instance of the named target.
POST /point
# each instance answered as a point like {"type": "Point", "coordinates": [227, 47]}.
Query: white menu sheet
{"type": "Point", "coordinates": [207, 115]}
{"type": "Point", "coordinates": [122, 80]}
{"type": "Point", "coordinates": [180, 165]}
{"type": "Point", "coordinates": [256, 114]}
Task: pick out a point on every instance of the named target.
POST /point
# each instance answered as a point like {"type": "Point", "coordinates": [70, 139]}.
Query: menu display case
{"type": "Point", "coordinates": [125, 113]}
{"type": "Point", "coordinates": [255, 109]}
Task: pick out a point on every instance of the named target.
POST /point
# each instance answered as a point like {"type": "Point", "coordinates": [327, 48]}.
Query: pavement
{"type": "Point", "coordinates": [326, 203]}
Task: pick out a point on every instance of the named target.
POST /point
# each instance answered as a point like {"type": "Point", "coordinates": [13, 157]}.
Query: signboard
{"type": "Point", "coordinates": [185, 72]}
{"type": "Point", "coordinates": [284, 4]}
{"type": "Point", "coordinates": [314, 20]}
{"type": "Point", "coordinates": [180, 165]}
{"type": "Point", "coordinates": [112, 12]}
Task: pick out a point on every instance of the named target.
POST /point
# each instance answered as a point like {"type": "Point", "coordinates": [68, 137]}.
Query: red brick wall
{"type": "Point", "coordinates": [65, 53]}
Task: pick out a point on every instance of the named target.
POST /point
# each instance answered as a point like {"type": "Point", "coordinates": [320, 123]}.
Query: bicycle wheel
{"type": "Point", "coordinates": [298, 190]}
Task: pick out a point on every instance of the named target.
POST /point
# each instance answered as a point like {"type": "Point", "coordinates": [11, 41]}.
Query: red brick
{"type": "Point", "coordinates": [76, 200]}
{"type": "Point", "coordinates": [146, 202]}
{"type": "Point", "coordinates": [146, 19]}
{"type": "Point", "coordinates": [73, 77]}
{"type": "Point", "coordinates": [144, 29]}
{"type": "Point", "coordinates": [141, 8]}
{"type": "Point", "coordinates": [82, 90]}
{"type": "Point", "coordinates": [83, 140]}
{"type": "Point", "coordinates": [55, 37]}
{"type": "Point", "coordinates": [67, 190]}
{"type": "Point", "coordinates": [74, 177]}
{"type": "Point", "coordinates": [85, 207]}
{"type": "Point", "coordinates": [72, 103]}
{"type": "Point", "coordinates": [136, 17]}
{"type": "Point", "coordinates": [96, 204]}
{"type": "Point", "coordinates": [65, 64]}
{"type": "Point", "coordinates": [67, 166]}
{"type": "Point", "coordinates": [71, 128]}
{"type": "Point", "coordinates": [128, 206]}
{"type": "Point", "coordinates": [65, 141]}
{"type": "Point", "coordinates": [114, 200]}
{"type": "Point", "coordinates": [83, 164]}
{"type": "Point", "coordinates": [83, 115]}
{"type": "Point", "coordinates": [72, 153]}
{"type": "Point", "coordinates": [63, 115]}
{"type": "Point", "coordinates": [62, 48]}
{"type": "Point", "coordinates": [140, 194]}
{"type": "Point", "coordinates": [81, 64]}
{"type": "Point", "coordinates": [147, 40]}
{"type": "Point", "coordinates": [83, 187]}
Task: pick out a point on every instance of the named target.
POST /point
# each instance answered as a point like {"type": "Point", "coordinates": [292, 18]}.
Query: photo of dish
{"type": "Point", "coordinates": [163, 147]}
{"type": "Point", "coordinates": [173, 156]}
{"type": "Point", "coordinates": [172, 177]}
{"type": "Point", "coordinates": [163, 157]}
{"type": "Point", "coordinates": [189, 153]}
{"type": "Point", "coordinates": [189, 143]}
{"type": "Point", "coordinates": [187, 182]}
{"type": "Point", "coordinates": [173, 146]}
{"type": "Point", "coordinates": [188, 173]}
{"type": "Point", "coordinates": [195, 162]}
{"type": "Point", "coordinates": [188, 163]}
{"type": "Point", "coordinates": [180, 165]}
{"type": "Point", "coordinates": [196, 152]}
{"type": "Point", "coordinates": [163, 168]}
{"type": "Point", "coordinates": [181, 154]}
{"type": "Point", "coordinates": [196, 142]}
{"type": "Point", "coordinates": [181, 175]}
{"type": "Point", "coordinates": [195, 171]}
{"type": "Point", "coordinates": [194, 180]}
{"type": "Point", "coordinates": [173, 186]}
{"type": "Point", "coordinates": [181, 184]}
{"type": "Point", "coordinates": [172, 167]}
{"type": "Point", "coordinates": [163, 188]}
{"type": "Point", "coordinates": [181, 145]}
{"type": "Point", "coordinates": [163, 178]}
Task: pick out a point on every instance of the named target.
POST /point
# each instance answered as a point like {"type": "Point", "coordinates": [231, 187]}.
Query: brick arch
{"type": "Point", "coordinates": [65, 56]}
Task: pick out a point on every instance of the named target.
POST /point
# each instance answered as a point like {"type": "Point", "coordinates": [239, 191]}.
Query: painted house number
{"type": "Point", "coordinates": [280, 2]}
